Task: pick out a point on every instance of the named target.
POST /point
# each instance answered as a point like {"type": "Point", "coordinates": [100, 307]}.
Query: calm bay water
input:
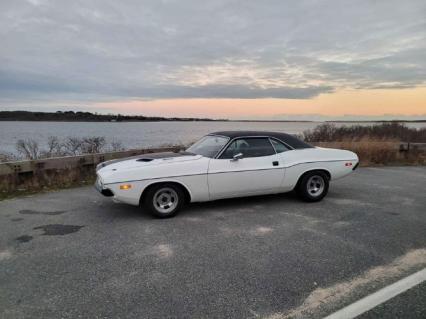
{"type": "Point", "coordinates": [139, 134]}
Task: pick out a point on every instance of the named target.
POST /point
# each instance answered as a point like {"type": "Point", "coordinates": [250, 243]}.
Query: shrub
{"type": "Point", "coordinates": [7, 157]}
{"type": "Point", "coordinates": [28, 148]}
{"type": "Point", "coordinates": [116, 146]}
{"type": "Point", "coordinates": [93, 144]}
{"type": "Point", "coordinates": [378, 152]}
{"type": "Point", "coordinates": [70, 146]}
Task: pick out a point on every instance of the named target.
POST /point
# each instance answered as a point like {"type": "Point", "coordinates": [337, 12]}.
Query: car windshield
{"type": "Point", "coordinates": [208, 146]}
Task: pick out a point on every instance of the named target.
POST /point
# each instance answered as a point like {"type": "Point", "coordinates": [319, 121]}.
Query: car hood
{"type": "Point", "coordinates": [144, 160]}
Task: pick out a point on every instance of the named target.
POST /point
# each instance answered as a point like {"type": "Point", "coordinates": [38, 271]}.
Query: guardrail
{"type": "Point", "coordinates": [406, 147]}
{"type": "Point", "coordinates": [60, 171]}
{"type": "Point", "coordinates": [67, 162]}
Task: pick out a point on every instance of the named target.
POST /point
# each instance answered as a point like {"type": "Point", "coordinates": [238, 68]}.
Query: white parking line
{"type": "Point", "coordinates": [379, 297]}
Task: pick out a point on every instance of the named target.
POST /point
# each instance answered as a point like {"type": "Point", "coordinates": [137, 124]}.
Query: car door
{"type": "Point", "coordinates": [259, 171]}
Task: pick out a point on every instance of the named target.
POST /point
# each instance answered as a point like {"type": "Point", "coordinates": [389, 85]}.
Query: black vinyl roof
{"type": "Point", "coordinates": [284, 137]}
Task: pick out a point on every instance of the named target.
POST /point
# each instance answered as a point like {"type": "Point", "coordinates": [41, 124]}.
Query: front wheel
{"type": "Point", "coordinates": [313, 186]}
{"type": "Point", "coordinates": [163, 200]}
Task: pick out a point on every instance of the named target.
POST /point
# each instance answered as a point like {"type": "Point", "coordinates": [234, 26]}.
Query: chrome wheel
{"type": "Point", "coordinates": [165, 200]}
{"type": "Point", "coordinates": [315, 185]}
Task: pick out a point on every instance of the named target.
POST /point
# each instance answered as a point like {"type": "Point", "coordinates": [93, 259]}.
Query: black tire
{"type": "Point", "coordinates": [311, 181]}
{"type": "Point", "coordinates": [163, 194]}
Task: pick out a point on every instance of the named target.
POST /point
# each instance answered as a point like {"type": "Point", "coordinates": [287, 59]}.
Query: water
{"type": "Point", "coordinates": [139, 134]}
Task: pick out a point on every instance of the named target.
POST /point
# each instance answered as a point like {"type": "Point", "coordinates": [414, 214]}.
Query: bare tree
{"type": "Point", "coordinates": [72, 146]}
{"type": "Point", "coordinates": [28, 148]}
{"type": "Point", "coordinates": [116, 146]}
{"type": "Point", "coordinates": [54, 147]}
{"type": "Point", "coordinates": [92, 144]}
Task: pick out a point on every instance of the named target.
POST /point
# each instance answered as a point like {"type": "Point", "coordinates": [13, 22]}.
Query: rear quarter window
{"type": "Point", "coordinates": [279, 147]}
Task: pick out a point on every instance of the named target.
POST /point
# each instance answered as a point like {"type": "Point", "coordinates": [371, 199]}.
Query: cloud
{"type": "Point", "coordinates": [104, 50]}
{"type": "Point", "coordinates": [27, 84]}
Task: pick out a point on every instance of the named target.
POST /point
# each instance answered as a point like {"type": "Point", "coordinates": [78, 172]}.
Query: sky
{"type": "Point", "coordinates": [248, 59]}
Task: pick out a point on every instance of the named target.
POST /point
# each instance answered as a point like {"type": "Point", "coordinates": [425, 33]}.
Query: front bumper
{"type": "Point", "coordinates": [356, 166]}
{"type": "Point", "coordinates": [101, 189]}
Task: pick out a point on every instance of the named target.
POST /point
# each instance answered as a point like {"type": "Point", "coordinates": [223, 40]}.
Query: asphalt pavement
{"type": "Point", "coordinates": [76, 254]}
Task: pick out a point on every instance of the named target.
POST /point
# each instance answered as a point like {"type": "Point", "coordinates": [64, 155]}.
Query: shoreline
{"type": "Point", "coordinates": [214, 120]}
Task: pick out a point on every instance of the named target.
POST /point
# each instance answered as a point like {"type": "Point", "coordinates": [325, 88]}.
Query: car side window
{"type": "Point", "coordinates": [279, 147]}
{"type": "Point", "coordinates": [249, 147]}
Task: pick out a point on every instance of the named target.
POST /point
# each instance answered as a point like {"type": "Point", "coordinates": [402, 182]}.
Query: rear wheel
{"type": "Point", "coordinates": [313, 186]}
{"type": "Point", "coordinates": [164, 200]}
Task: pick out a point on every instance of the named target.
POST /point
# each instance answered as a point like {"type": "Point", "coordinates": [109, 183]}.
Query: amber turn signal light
{"type": "Point", "coordinates": [125, 186]}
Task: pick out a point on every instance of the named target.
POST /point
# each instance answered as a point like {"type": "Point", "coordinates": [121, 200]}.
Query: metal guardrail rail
{"type": "Point", "coordinates": [69, 162]}
{"type": "Point", "coordinates": [412, 146]}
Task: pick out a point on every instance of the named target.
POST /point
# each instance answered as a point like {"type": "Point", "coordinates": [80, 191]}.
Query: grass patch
{"type": "Point", "coordinates": [378, 153]}
{"type": "Point", "coordinates": [375, 144]}
{"type": "Point", "coordinates": [21, 192]}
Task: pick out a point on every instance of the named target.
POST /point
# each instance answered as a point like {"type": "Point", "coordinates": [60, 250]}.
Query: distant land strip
{"type": "Point", "coordinates": [72, 116]}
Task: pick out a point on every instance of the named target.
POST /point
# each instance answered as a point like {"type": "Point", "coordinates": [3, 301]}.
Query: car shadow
{"type": "Point", "coordinates": [242, 202]}
{"type": "Point", "coordinates": [119, 210]}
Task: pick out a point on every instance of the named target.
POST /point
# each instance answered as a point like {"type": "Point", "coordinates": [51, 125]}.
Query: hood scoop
{"type": "Point", "coordinates": [145, 160]}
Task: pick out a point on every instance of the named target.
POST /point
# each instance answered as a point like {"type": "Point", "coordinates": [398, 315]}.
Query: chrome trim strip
{"type": "Point", "coordinates": [246, 170]}
{"type": "Point", "coordinates": [270, 142]}
{"type": "Point", "coordinates": [148, 179]}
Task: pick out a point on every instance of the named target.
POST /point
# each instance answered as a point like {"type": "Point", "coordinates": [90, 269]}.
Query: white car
{"type": "Point", "coordinates": [224, 165]}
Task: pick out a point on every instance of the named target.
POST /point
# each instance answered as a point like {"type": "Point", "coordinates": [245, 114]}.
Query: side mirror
{"type": "Point", "coordinates": [236, 157]}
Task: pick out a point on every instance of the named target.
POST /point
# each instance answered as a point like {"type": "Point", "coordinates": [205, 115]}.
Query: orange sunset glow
{"type": "Point", "coordinates": [345, 102]}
